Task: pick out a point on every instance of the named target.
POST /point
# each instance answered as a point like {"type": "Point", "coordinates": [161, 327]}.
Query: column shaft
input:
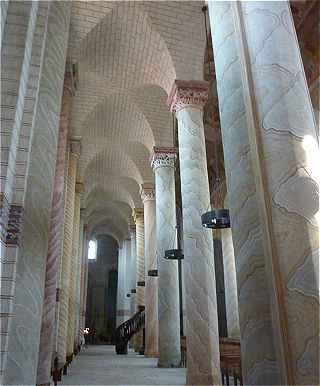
{"type": "Point", "coordinates": [47, 350]}
{"type": "Point", "coordinates": [270, 147]}
{"type": "Point", "coordinates": [168, 302]}
{"type": "Point", "coordinates": [64, 285]}
{"type": "Point", "coordinates": [151, 289]}
{"type": "Point", "coordinates": [140, 272]}
{"type": "Point", "coordinates": [26, 325]}
{"type": "Point", "coordinates": [230, 283]}
{"type": "Point", "coordinates": [73, 274]}
{"type": "Point", "coordinates": [187, 99]}
{"type": "Point", "coordinates": [133, 269]}
{"type": "Point", "coordinates": [121, 285]}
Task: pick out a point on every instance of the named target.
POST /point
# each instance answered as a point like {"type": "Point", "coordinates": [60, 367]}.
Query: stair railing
{"type": "Point", "coordinates": [126, 330]}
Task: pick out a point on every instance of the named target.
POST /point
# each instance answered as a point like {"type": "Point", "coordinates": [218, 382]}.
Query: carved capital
{"type": "Point", "coordinates": [75, 146]}
{"type": "Point", "coordinates": [163, 157]}
{"type": "Point", "coordinates": [137, 215]}
{"type": "Point", "coordinates": [188, 93]}
{"type": "Point", "coordinates": [147, 192]}
{"type": "Point", "coordinates": [132, 230]}
{"type": "Point", "coordinates": [79, 187]}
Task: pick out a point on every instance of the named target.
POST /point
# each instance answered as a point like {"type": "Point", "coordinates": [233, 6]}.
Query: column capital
{"type": "Point", "coordinates": [75, 146]}
{"type": "Point", "coordinates": [188, 93]}
{"type": "Point", "coordinates": [137, 214]}
{"type": "Point", "coordinates": [163, 157]}
{"type": "Point", "coordinates": [132, 230]}
{"type": "Point", "coordinates": [147, 192]}
{"type": "Point", "coordinates": [79, 188]}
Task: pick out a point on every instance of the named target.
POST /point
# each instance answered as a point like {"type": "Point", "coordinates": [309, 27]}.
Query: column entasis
{"type": "Point", "coordinates": [271, 160]}
{"type": "Point", "coordinates": [151, 288]}
{"type": "Point", "coordinates": [65, 269]}
{"type": "Point", "coordinates": [163, 162]}
{"type": "Point", "coordinates": [132, 230]}
{"type": "Point", "coordinates": [48, 337]}
{"type": "Point", "coordinates": [187, 99]}
{"type": "Point", "coordinates": [121, 283]}
{"type": "Point", "coordinates": [140, 272]}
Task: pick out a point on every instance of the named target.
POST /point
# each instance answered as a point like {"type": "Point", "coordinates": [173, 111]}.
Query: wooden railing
{"type": "Point", "coordinates": [230, 359]}
{"type": "Point", "coordinates": [126, 330]}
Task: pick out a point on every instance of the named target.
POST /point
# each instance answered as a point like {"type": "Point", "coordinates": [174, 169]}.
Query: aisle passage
{"type": "Point", "coordinates": [99, 365]}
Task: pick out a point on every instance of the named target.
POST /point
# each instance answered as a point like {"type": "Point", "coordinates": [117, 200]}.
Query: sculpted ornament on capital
{"type": "Point", "coordinates": [132, 230]}
{"type": "Point", "coordinates": [137, 215]}
{"type": "Point", "coordinates": [188, 93]}
{"type": "Point", "coordinates": [147, 192]}
{"type": "Point", "coordinates": [163, 157]}
{"type": "Point", "coordinates": [75, 146]}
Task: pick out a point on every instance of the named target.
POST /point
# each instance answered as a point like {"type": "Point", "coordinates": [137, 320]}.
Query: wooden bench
{"type": "Point", "coordinates": [230, 359]}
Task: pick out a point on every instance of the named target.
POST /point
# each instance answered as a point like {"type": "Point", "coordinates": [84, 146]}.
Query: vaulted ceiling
{"type": "Point", "coordinates": [128, 55]}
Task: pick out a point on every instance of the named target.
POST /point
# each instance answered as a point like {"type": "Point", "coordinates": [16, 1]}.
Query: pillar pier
{"type": "Point", "coordinates": [132, 229]}
{"type": "Point", "coordinates": [30, 268]}
{"type": "Point", "coordinates": [230, 283]}
{"type": "Point", "coordinates": [84, 280]}
{"type": "Point", "coordinates": [187, 99]}
{"type": "Point", "coordinates": [151, 289]}
{"type": "Point", "coordinates": [270, 148]}
{"type": "Point", "coordinates": [121, 282]}
{"type": "Point", "coordinates": [73, 286]}
{"type": "Point", "coordinates": [168, 282]}
{"type": "Point", "coordinates": [140, 271]}
{"type": "Point", "coordinates": [47, 348]}
{"type": "Point", "coordinates": [65, 269]}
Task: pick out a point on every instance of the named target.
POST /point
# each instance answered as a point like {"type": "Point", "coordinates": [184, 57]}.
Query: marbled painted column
{"type": "Point", "coordinates": [64, 285]}
{"type": "Point", "coordinates": [140, 271]}
{"type": "Point", "coordinates": [269, 139]}
{"type": "Point", "coordinates": [121, 281]}
{"type": "Point", "coordinates": [151, 289]}
{"type": "Point", "coordinates": [84, 269]}
{"type": "Point", "coordinates": [168, 281]}
{"type": "Point", "coordinates": [85, 291]}
{"type": "Point", "coordinates": [132, 230]}
{"type": "Point", "coordinates": [46, 350]}
{"type": "Point", "coordinates": [187, 99]}
{"type": "Point", "coordinates": [25, 330]}
{"type": "Point", "coordinates": [257, 342]}
{"type": "Point", "coordinates": [78, 285]}
{"type": "Point", "coordinates": [17, 38]}
{"type": "Point", "coordinates": [73, 272]}
{"type": "Point", "coordinates": [230, 284]}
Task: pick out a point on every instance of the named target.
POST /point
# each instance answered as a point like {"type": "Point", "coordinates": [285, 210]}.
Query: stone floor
{"type": "Point", "coordinates": [99, 365]}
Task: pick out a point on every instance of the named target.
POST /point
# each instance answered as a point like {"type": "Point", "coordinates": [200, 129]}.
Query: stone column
{"type": "Point", "coordinates": [140, 271]}
{"type": "Point", "coordinates": [84, 281]}
{"type": "Point", "coordinates": [121, 281]}
{"type": "Point", "coordinates": [270, 147]}
{"type": "Point", "coordinates": [169, 318]}
{"type": "Point", "coordinates": [79, 282]}
{"type": "Point", "coordinates": [24, 334]}
{"type": "Point", "coordinates": [187, 99]}
{"type": "Point", "coordinates": [132, 230]}
{"type": "Point", "coordinates": [151, 293]}
{"type": "Point", "coordinates": [64, 285]}
{"type": "Point", "coordinates": [47, 349]}
{"type": "Point", "coordinates": [73, 272]}
{"type": "Point", "coordinates": [17, 38]}
{"type": "Point", "coordinates": [230, 284]}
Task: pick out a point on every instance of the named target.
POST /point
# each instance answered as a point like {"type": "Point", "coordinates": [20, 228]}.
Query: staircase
{"type": "Point", "coordinates": [126, 330]}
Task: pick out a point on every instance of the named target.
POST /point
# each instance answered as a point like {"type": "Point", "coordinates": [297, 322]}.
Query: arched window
{"type": "Point", "coordinates": [92, 250]}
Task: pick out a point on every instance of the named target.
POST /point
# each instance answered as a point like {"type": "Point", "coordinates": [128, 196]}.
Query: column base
{"type": "Point", "coordinates": [151, 354]}
{"type": "Point", "coordinates": [169, 365]}
{"type": "Point", "coordinates": [65, 369]}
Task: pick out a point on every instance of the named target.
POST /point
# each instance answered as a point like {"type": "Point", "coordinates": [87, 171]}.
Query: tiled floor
{"type": "Point", "coordinates": [99, 365]}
